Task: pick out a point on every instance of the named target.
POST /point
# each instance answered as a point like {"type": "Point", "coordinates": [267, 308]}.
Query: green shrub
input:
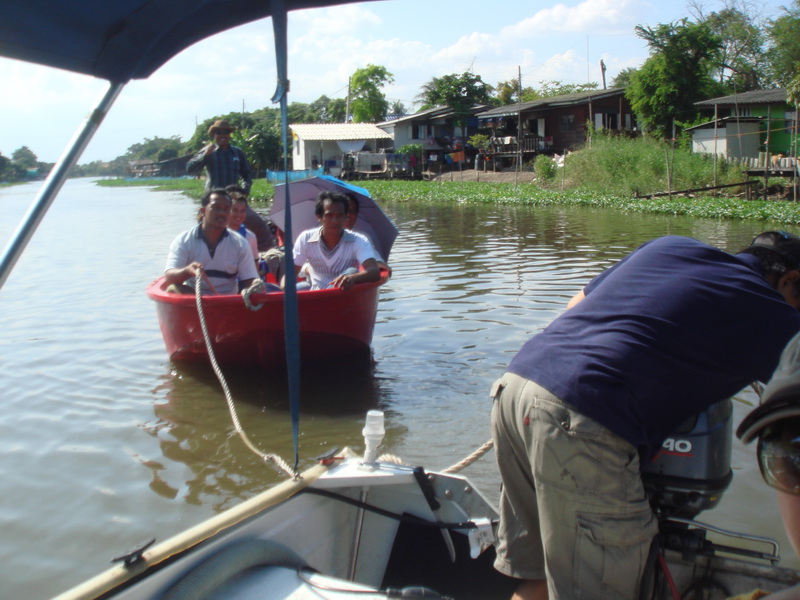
{"type": "Point", "coordinates": [545, 167]}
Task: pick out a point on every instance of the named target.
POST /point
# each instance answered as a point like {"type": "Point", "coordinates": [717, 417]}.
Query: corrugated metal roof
{"type": "Point", "coordinates": [339, 131]}
{"type": "Point", "coordinates": [437, 112]}
{"type": "Point", "coordinates": [775, 96]}
{"type": "Point", "coordinates": [725, 121]}
{"type": "Point", "coordinates": [551, 101]}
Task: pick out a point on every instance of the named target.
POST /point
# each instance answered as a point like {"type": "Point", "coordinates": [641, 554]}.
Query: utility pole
{"type": "Point", "coordinates": [347, 105]}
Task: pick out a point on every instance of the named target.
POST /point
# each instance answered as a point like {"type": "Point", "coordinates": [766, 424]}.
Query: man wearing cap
{"type": "Point", "coordinates": [225, 164]}
{"type": "Point", "coordinates": [672, 328]}
{"type": "Point", "coordinates": [776, 424]}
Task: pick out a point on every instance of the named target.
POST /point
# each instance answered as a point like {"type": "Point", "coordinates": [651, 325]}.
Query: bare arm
{"type": "Point", "coordinates": [179, 275]}
{"type": "Point", "coordinates": [576, 299]}
{"type": "Point", "coordinates": [371, 272]}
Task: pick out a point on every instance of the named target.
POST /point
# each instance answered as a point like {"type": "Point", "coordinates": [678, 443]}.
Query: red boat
{"type": "Point", "coordinates": [333, 323]}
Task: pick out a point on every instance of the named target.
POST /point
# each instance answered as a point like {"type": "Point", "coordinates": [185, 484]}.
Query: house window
{"type": "Point", "coordinates": [419, 132]}
{"type": "Point", "coordinates": [567, 123]}
{"type": "Point", "coordinates": [791, 121]}
{"type": "Point", "coordinates": [741, 111]}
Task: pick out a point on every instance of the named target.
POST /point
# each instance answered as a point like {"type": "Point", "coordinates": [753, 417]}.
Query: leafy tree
{"type": "Point", "coordinates": [24, 158]}
{"type": "Point", "coordinates": [155, 149]}
{"type": "Point", "coordinates": [793, 89]}
{"type": "Point", "coordinates": [784, 53]}
{"type": "Point", "coordinates": [556, 88]}
{"type": "Point", "coordinates": [415, 149]}
{"type": "Point", "coordinates": [675, 76]}
{"type": "Point", "coordinates": [397, 108]}
{"type": "Point", "coordinates": [507, 92]}
{"type": "Point", "coordinates": [336, 111]}
{"type": "Point", "coordinates": [459, 92]}
{"type": "Point", "coordinates": [480, 141]}
{"type": "Point", "coordinates": [741, 62]}
{"type": "Point", "coordinates": [623, 78]}
{"type": "Point", "coordinates": [368, 103]}
{"type": "Point", "coordinates": [327, 110]}
{"type": "Point", "coordinates": [261, 146]}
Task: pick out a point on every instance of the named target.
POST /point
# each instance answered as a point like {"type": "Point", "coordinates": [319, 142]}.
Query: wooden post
{"type": "Point", "coordinates": [716, 129]}
{"type": "Point", "coordinates": [767, 154]}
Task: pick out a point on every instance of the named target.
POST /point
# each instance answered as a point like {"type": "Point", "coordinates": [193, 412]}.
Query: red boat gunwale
{"type": "Point", "coordinates": [333, 323]}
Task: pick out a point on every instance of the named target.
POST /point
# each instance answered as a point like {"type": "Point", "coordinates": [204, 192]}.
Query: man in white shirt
{"type": "Point", "coordinates": [224, 257]}
{"type": "Point", "coordinates": [332, 253]}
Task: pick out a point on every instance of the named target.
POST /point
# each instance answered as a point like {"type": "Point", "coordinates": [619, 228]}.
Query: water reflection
{"type": "Point", "coordinates": [138, 446]}
{"type": "Point", "coordinates": [203, 459]}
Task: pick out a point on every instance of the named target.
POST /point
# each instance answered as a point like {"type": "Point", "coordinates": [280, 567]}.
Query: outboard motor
{"type": "Point", "coordinates": [693, 467]}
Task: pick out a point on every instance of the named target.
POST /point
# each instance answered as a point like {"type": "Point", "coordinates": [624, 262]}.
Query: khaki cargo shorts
{"type": "Point", "coordinates": [573, 508]}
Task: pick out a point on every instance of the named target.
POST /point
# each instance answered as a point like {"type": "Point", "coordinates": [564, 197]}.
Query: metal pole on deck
{"type": "Point", "coordinates": [54, 181]}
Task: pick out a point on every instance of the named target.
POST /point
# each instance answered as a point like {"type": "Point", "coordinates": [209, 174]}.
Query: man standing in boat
{"type": "Point", "coordinates": [672, 328]}
{"type": "Point", "coordinates": [332, 253]}
{"type": "Point", "coordinates": [225, 164]}
{"type": "Point", "coordinates": [225, 257]}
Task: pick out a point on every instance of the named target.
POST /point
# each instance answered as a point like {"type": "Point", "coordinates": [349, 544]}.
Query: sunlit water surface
{"type": "Point", "coordinates": [106, 443]}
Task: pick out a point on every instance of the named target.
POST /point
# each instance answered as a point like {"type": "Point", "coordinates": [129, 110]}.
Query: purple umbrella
{"type": "Point", "coordinates": [371, 222]}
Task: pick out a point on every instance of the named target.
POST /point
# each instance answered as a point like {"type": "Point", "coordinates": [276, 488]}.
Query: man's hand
{"type": "Point", "coordinates": [344, 282]}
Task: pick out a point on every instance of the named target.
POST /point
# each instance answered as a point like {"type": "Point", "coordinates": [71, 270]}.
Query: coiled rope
{"type": "Point", "coordinates": [279, 464]}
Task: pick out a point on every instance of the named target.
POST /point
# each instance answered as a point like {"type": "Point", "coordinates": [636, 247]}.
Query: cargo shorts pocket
{"type": "Point", "coordinates": [497, 387]}
{"type": "Point", "coordinates": [611, 552]}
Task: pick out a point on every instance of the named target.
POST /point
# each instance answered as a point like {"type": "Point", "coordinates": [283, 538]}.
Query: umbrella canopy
{"type": "Point", "coordinates": [303, 194]}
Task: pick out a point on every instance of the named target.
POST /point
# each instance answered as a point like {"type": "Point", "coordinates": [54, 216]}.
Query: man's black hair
{"type": "Point", "coordinates": [352, 198]}
{"type": "Point", "coordinates": [319, 209]}
{"type": "Point", "coordinates": [206, 199]}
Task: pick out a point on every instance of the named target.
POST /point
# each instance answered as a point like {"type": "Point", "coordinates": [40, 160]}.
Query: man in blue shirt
{"type": "Point", "coordinates": [225, 164]}
{"type": "Point", "coordinates": [672, 328]}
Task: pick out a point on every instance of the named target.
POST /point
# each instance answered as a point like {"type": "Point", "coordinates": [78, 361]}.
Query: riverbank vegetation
{"type": "Point", "coordinates": [604, 175]}
{"type": "Point", "coordinates": [625, 166]}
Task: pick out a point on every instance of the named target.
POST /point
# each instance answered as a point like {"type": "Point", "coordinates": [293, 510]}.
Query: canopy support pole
{"type": "Point", "coordinates": [290, 308]}
{"type": "Point", "coordinates": [54, 182]}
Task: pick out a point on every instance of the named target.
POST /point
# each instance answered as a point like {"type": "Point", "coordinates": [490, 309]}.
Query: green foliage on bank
{"type": "Point", "coordinates": [706, 206]}
{"type": "Point", "coordinates": [260, 193]}
{"type": "Point", "coordinates": [779, 211]}
{"type": "Point", "coordinates": [639, 166]}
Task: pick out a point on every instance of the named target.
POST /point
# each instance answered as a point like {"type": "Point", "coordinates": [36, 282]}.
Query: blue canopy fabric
{"type": "Point", "coordinates": [120, 40]}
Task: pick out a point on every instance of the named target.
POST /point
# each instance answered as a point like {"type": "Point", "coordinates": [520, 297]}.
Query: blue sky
{"type": "Point", "coordinates": [414, 39]}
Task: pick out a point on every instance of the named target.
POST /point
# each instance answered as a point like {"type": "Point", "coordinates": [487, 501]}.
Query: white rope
{"type": "Point", "coordinates": [471, 458]}
{"type": "Point", "coordinates": [277, 461]}
{"type": "Point", "coordinates": [255, 287]}
{"type": "Point", "coordinates": [459, 466]}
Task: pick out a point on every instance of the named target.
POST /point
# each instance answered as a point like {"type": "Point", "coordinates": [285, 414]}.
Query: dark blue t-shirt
{"type": "Point", "coordinates": [672, 328]}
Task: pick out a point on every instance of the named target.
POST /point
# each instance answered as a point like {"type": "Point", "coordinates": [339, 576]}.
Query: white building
{"type": "Point", "coordinates": [324, 144]}
{"type": "Point", "coordinates": [731, 137]}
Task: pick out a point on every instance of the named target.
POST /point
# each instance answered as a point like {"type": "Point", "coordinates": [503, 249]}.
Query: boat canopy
{"type": "Point", "coordinates": [121, 40]}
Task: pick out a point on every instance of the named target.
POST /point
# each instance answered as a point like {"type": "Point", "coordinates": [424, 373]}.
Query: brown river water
{"type": "Point", "coordinates": [106, 443]}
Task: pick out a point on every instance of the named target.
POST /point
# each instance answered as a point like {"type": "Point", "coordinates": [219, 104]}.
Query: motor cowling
{"type": "Point", "coordinates": [693, 467]}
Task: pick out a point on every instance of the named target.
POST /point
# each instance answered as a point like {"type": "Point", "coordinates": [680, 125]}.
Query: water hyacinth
{"type": "Point", "coordinates": [707, 206]}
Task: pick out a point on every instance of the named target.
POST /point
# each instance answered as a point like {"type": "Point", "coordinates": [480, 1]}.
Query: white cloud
{"type": "Point", "coordinates": [590, 17]}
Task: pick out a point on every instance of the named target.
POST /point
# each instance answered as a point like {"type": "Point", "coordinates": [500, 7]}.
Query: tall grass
{"type": "Point", "coordinates": [628, 167]}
